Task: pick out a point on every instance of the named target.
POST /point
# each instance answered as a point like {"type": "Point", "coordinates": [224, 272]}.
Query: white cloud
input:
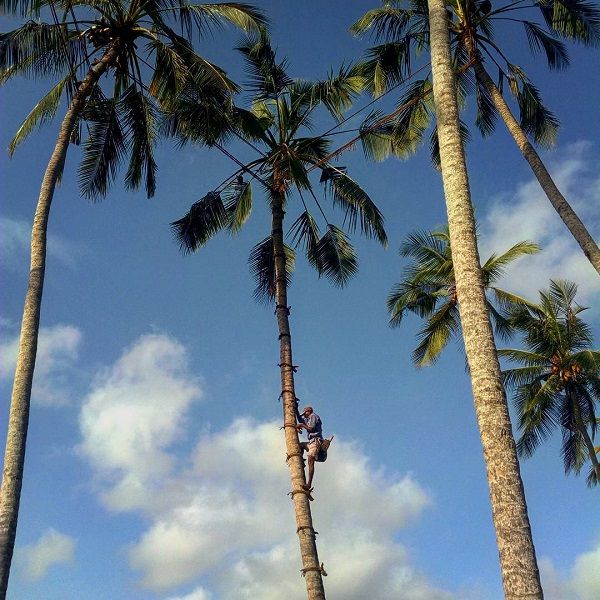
{"type": "Point", "coordinates": [526, 214]}
{"type": "Point", "coordinates": [219, 520]}
{"type": "Point", "coordinates": [15, 241]}
{"type": "Point", "coordinates": [57, 352]}
{"type": "Point", "coordinates": [198, 594]}
{"type": "Point", "coordinates": [134, 412]}
{"type": "Point", "coordinates": [581, 582]}
{"type": "Point", "coordinates": [53, 548]}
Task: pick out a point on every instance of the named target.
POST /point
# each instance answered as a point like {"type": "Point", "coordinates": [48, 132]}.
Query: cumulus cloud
{"type": "Point", "coordinates": [581, 582]}
{"type": "Point", "coordinates": [218, 519]}
{"type": "Point", "coordinates": [57, 353]}
{"type": "Point", "coordinates": [15, 240]}
{"type": "Point", "coordinates": [133, 413]}
{"type": "Point", "coordinates": [526, 214]}
{"type": "Point", "coordinates": [53, 548]}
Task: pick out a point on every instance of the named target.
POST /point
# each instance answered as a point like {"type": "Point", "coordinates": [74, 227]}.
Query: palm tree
{"type": "Point", "coordinates": [428, 289]}
{"type": "Point", "coordinates": [520, 574]}
{"type": "Point", "coordinates": [472, 33]}
{"type": "Point", "coordinates": [132, 40]}
{"type": "Point", "coordinates": [558, 382]}
{"type": "Point", "coordinates": [278, 122]}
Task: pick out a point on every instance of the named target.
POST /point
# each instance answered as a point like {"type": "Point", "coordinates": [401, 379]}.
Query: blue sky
{"type": "Point", "coordinates": [155, 465]}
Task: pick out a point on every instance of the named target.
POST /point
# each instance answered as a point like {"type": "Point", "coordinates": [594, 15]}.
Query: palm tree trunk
{"type": "Point", "coordinates": [520, 573]}
{"type": "Point", "coordinates": [558, 201]}
{"type": "Point", "coordinates": [12, 477]}
{"type": "Point", "coordinates": [300, 497]}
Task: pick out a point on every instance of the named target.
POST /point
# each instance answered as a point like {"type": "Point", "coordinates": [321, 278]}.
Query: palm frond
{"type": "Point", "coordinates": [356, 202]}
{"type": "Point", "coordinates": [237, 199]}
{"type": "Point", "coordinates": [305, 231]}
{"type": "Point", "coordinates": [487, 114]}
{"type": "Point", "coordinates": [416, 297]}
{"type": "Point", "coordinates": [436, 334]}
{"type": "Point", "coordinates": [386, 66]}
{"type": "Point", "coordinates": [262, 266]}
{"type": "Point", "coordinates": [495, 265]}
{"type": "Point", "coordinates": [338, 91]}
{"type": "Point", "coordinates": [103, 151]}
{"type": "Point", "coordinates": [204, 220]}
{"type": "Point", "coordinates": [386, 22]}
{"type": "Point", "coordinates": [536, 120]}
{"type": "Point", "coordinates": [41, 113]}
{"type": "Point", "coordinates": [577, 20]}
{"type": "Point", "coordinates": [267, 77]}
{"type": "Point", "coordinates": [539, 40]}
{"type": "Point", "coordinates": [204, 16]}
{"type": "Point", "coordinates": [140, 122]}
{"type": "Point", "coordinates": [336, 257]}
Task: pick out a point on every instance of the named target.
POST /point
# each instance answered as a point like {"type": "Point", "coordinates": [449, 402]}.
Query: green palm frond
{"type": "Point", "coordinates": [386, 66]}
{"type": "Point", "coordinates": [262, 266]}
{"type": "Point", "coordinates": [204, 220]}
{"type": "Point", "coordinates": [243, 16]}
{"type": "Point", "coordinates": [578, 20]}
{"type": "Point", "coordinates": [140, 121]}
{"type": "Point", "coordinates": [416, 297]}
{"type": "Point", "coordinates": [339, 90]}
{"type": "Point", "coordinates": [267, 77]}
{"type": "Point", "coordinates": [386, 22]}
{"type": "Point", "coordinates": [356, 202]}
{"type": "Point", "coordinates": [41, 113]}
{"type": "Point", "coordinates": [336, 257]}
{"type": "Point", "coordinates": [536, 120]}
{"type": "Point", "coordinates": [525, 357]}
{"type": "Point", "coordinates": [487, 114]}
{"type": "Point", "coordinates": [305, 231]}
{"type": "Point", "coordinates": [539, 40]}
{"type": "Point", "coordinates": [495, 265]}
{"type": "Point", "coordinates": [523, 376]}
{"type": "Point", "coordinates": [436, 334]}
{"type": "Point", "coordinates": [237, 199]}
{"type": "Point", "coordinates": [103, 151]}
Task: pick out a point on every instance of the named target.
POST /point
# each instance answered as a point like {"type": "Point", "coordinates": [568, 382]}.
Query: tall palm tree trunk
{"type": "Point", "coordinates": [14, 458]}
{"type": "Point", "coordinates": [300, 496]}
{"type": "Point", "coordinates": [558, 201]}
{"type": "Point", "coordinates": [520, 573]}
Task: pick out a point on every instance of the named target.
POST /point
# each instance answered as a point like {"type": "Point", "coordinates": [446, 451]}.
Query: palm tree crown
{"type": "Point", "coordinates": [428, 289]}
{"type": "Point", "coordinates": [405, 28]}
{"type": "Point", "coordinates": [278, 120]}
{"type": "Point", "coordinates": [150, 65]}
{"type": "Point", "coordinates": [558, 382]}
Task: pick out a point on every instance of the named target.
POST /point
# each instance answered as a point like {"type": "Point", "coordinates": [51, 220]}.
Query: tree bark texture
{"type": "Point", "coordinates": [14, 457]}
{"type": "Point", "coordinates": [300, 497]}
{"type": "Point", "coordinates": [559, 202]}
{"type": "Point", "coordinates": [520, 575]}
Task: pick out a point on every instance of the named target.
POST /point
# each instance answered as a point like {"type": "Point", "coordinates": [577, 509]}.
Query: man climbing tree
{"type": "Point", "coordinates": [316, 447]}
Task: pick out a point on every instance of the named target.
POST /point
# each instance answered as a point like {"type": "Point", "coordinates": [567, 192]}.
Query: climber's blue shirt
{"type": "Point", "coordinates": [313, 422]}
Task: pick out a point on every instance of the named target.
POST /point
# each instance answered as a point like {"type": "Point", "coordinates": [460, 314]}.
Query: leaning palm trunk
{"type": "Point", "coordinates": [580, 426]}
{"type": "Point", "coordinates": [12, 477]}
{"type": "Point", "coordinates": [300, 496]}
{"type": "Point", "coordinates": [558, 201]}
{"type": "Point", "coordinates": [520, 573]}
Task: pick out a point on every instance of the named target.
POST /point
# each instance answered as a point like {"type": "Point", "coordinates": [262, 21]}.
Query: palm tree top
{"type": "Point", "coordinates": [557, 382]}
{"type": "Point", "coordinates": [153, 64]}
{"type": "Point", "coordinates": [403, 28]}
{"type": "Point", "coordinates": [428, 289]}
{"type": "Point", "coordinates": [278, 126]}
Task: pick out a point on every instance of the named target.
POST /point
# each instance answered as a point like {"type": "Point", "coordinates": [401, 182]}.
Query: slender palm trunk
{"type": "Point", "coordinates": [558, 201]}
{"type": "Point", "coordinates": [12, 476]}
{"type": "Point", "coordinates": [520, 573]}
{"type": "Point", "coordinates": [300, 497]}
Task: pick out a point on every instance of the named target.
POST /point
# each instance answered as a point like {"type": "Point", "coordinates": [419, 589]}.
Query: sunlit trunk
{"type": "Point", "coordinates": [300, 497]}
{"type": "Point", "coordinates": [12, 476]}
{"type": "Point", "coordinates": [520, 573]}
